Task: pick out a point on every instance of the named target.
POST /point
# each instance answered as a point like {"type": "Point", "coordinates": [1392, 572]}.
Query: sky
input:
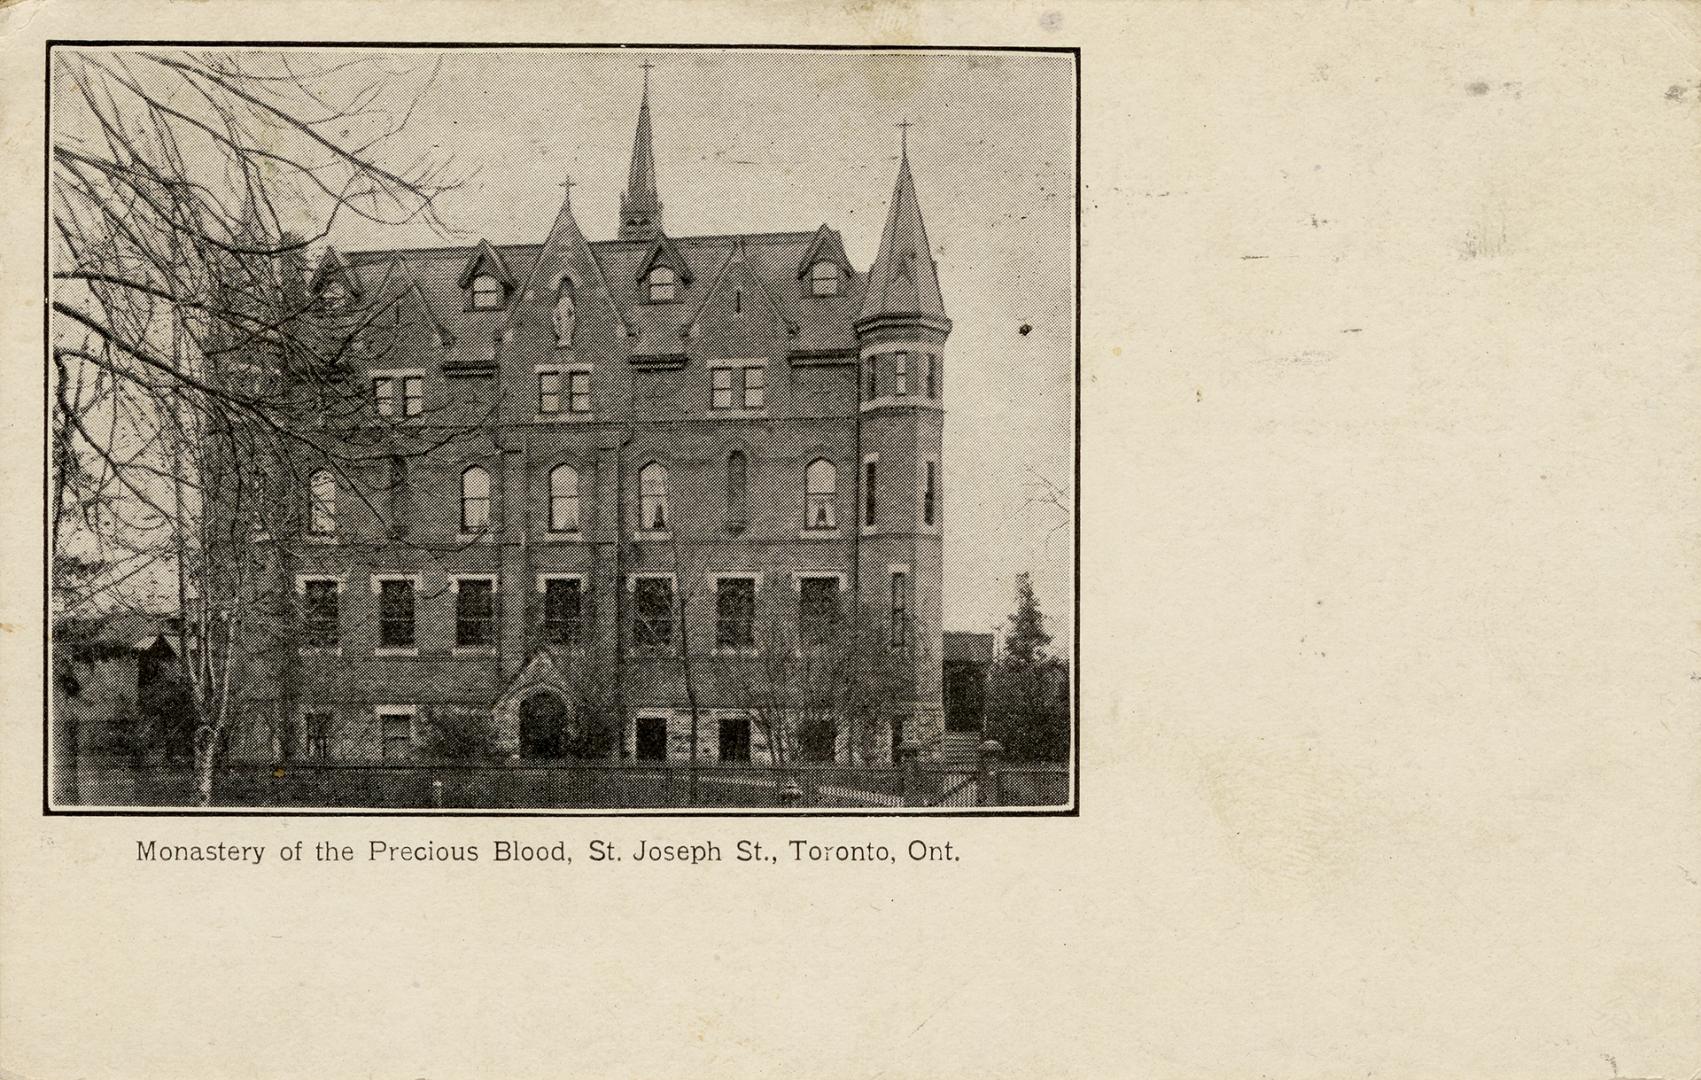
{"type": "Point", "coordinates": [771, 141]}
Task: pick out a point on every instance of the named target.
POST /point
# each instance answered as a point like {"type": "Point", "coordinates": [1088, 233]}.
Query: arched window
{"type": "Point", "coordinates": [475, 499]}
{"type": "Point", "coordinates": [486, 293]}
{"type": "Point", "coordinates": [737, 485]}
{"type": "Point", "coordinates": [821, 485]}
{"type": "Point", "coordinates": [662, 283]}
{"type": "Point", "coordinates": [563, 499]}
{"type": "Point", "coordinates": [652, 497]}
{"type": "Point", "coordinates": [824, 279]}
{"type": "Point", "coordinates": [322, 503]}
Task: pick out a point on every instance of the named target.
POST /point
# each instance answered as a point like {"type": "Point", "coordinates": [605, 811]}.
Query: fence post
{"type": "Point", "coordinates": [909, 759]}
{"type": "Point", "coordinates": [986, 786]}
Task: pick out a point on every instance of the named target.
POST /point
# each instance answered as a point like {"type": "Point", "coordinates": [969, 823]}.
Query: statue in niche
{"type": "Point", "coordinates": [562, 318]}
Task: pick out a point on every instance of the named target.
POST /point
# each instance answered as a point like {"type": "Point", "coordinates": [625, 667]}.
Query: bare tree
{"type": "Point", "coordinates": [832, 672]}
{"type": "Point", "coordinates": [197, 376]}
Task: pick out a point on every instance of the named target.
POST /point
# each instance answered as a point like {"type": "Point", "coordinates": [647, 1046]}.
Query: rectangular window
{"type": "Point", "coordinates": [755, 387]}
{"type": "Point", "coordinates": [927, 495]}
{"type": "Point", "coordinates": [652, 613]}
{"type": "Point", "coordinates": [384, 393]}
{"type": "Point", "coordinates": [900, 607]}
{"type": "Point", "coordinates": [932, 386]}
{"type": "Point", "coordinates": [720, 382]}
{"type": "Point", "coordinates": [321, 621]}
{"type": "Point", "coordinates": [870, 382]}
{"type": "Point", "coordinates": [579, 391]}
{"type": "Point", "coordinates": [563, 609]}
{"type": "Point", "coordinates": [475, 613]}
{"type": "Point", "coordinates": [395, 614]}
{"type": "Point", "coordinates": [902, 386]}
{"type": "Point", "coordinates": [395, 734]}
{"type": "Point", "coordinates": [897, 736]}
{"type": "Point", "coordinates": [735, 613]}
{"type": "Point", "coordinates": [652, 738]}
{"type": "Point", "coordinates": [316, 733]}
{"type": "Point", "coordinates": [735, 742]}
{"type": "Point", "coordinates": [817, 609]}
{"type": "Point", "coordinates": [413, 395]}
{"type": "Point", "coordinates": [868, 507]}
{"type": "Point", "coordinates": [549, 391]}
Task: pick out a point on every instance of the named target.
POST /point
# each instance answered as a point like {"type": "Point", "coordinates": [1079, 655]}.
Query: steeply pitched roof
{"type": "Point", "coordinates": [565, 254]}
{"type": "Point", "coordinates": [490, 260]}
{"type": "Point", "coordinates": [825, 245]}
{"type": "Point", "coordinates": [824, 324]}
{"type": "Point", "coordinates": [334, 264]}
{"type": "Point", "coordinates": [904, 279]}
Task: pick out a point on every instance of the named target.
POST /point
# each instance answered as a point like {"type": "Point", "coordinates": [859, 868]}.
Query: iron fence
{"type": "Point", "coordinates": [415, 786]}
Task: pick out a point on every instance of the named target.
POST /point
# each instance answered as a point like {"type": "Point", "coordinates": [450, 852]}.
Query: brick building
{"type": "Point", "coordinates": [659, 442]}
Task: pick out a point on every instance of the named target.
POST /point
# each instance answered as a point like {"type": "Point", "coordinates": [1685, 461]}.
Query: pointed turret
{"type": "Point", "coordinates": [904, 280]}
{"type": "Point", "coordinates": [901, 331]}
{"type": "Point", "coordinates": [640, 205]}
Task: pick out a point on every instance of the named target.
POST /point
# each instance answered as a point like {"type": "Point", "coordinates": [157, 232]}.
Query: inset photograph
{"type": "Point", "coordinates": [562, 430]}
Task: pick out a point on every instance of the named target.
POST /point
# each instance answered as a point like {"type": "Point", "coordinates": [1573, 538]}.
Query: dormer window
{"type": "Point", "coordinates": [334, 296]}
{"type": "Point", "coordinates": [486, 293]}
{"type": "Point", "coordinates": [824, 279]}
{"type": "Point", "coordinates": [662, 284]}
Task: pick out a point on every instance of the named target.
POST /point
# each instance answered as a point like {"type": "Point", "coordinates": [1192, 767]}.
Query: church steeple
{"type": "Point", "coordinates": [640, 206]}
{"type": "Point", "coordinates": [903, 280]}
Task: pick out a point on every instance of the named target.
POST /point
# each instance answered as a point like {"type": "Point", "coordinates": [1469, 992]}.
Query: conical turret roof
{"type": "Point", "coordinates": [904, 280]}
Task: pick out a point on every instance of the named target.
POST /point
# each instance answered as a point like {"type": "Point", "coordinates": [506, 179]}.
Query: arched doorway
{"type": "Point", "coordinates": [543, 726]}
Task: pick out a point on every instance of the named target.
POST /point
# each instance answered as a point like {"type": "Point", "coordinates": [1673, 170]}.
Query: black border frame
{"type": "Point", "coordinates": [932, 816]}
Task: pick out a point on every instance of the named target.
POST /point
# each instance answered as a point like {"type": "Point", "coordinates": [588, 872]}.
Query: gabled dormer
{"type": "Point", "coordinates": [334, 284]}
{"type": "Point", "coordinates": [739, 304]}
{"type": "Point", "coordinates": [413, 309]}
{"type": "Point", "coordinates": [486, 279]}
{"type": "Point", "coordinates": [824, 269]}
{"type": "Point", "coordinates": [565, 305]}
{"type": "Point", "coordinates": [663, 274]}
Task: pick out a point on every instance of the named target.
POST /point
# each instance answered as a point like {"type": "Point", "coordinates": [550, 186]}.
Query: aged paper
{"type": "Point", "coordinates": [1382, 635]}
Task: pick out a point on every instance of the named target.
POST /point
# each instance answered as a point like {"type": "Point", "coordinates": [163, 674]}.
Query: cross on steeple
{"type": "Point", "coordinates": [904, 126]}
{"type": "Point", "coordinates": [646, 65]}
{"type": "Point", "coordinates": [567, 186]}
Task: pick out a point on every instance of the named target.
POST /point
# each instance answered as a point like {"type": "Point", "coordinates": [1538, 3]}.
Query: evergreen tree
{"type": "Point", "coordinates": [1027, 708]}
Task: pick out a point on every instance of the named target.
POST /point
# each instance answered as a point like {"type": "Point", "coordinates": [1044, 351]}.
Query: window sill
{"type": "Point", "coordinates": [319, 650]}
{"type": "Point", "coordinates": [905, 401]}
{"type": "Point", "coordinates": [739, 414]}
{"type": "Point", "coordinates": [566, 417]}
{"type": "Point", "coordinates": [476, 538]}
{"type": "Point", "coordinates": [820, 534]}
{"type": "Point", "coordinates": [320, 538]}
{"type": "Point", "coordinates": [485, 651]}
{"type": "Point", "coordinates": [396, 651]}
{"type": "Point", "coordinates": [646, 534]}
{"type": "Point", "coordinates": [745, 651]}
{"type": "Point", "coordinates": [871, 530]}
{"type": "Point", "coordinates": [564, 536]}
